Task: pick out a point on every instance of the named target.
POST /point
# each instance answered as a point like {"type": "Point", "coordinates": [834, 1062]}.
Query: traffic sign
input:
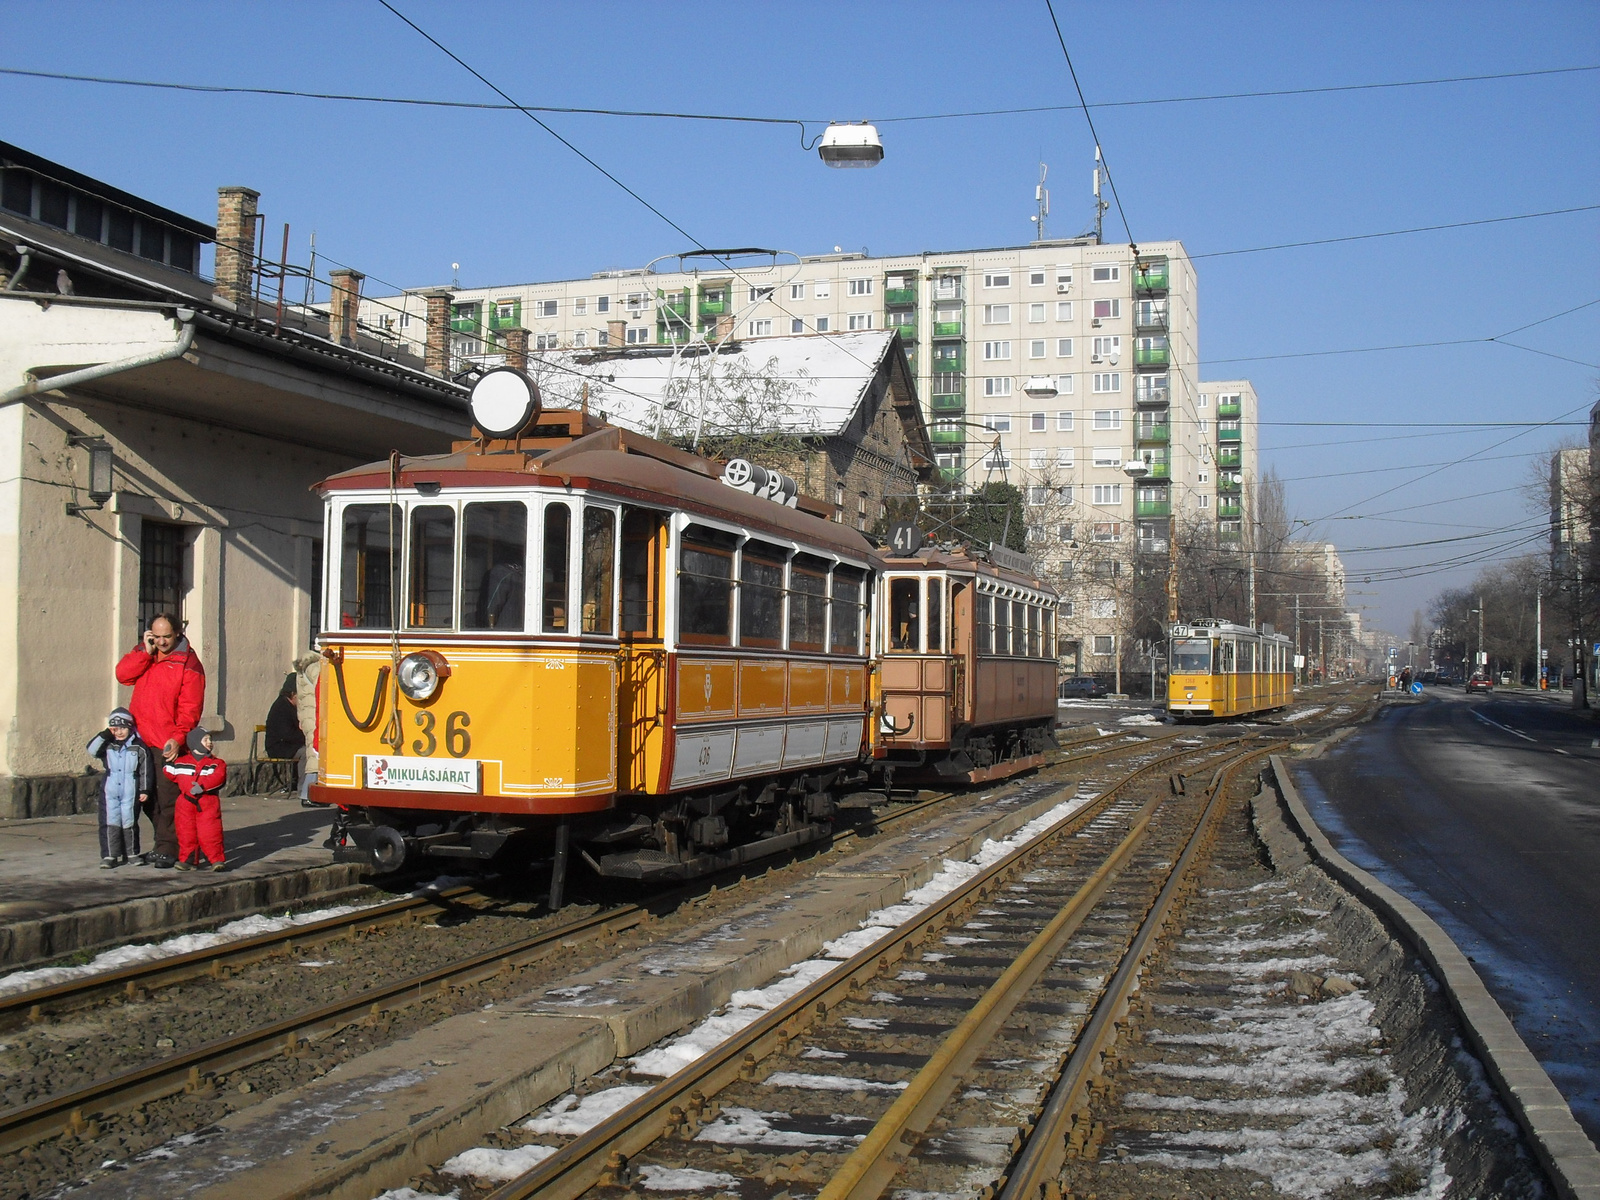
{"type": "Point", "coordinates": [905, 538]}
{"type": "Point", "coordinates": [1416, 689]}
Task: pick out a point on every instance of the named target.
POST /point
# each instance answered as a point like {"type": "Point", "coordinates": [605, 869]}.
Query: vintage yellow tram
{"type": "Point", "coordinates": [1218, 669]}
{"type": "Point", "coordinates": [966, 665]}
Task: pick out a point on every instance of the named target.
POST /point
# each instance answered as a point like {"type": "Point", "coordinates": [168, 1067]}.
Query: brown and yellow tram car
{"type": "Point", "coordinates": [966, 666]}
{"type": "Point", "coordinates": [581, 634]}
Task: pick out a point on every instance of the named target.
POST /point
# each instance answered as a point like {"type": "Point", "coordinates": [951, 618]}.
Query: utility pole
{"type": "Point", "coordinates": [1322, 661]}
{"type": "Point", "coordinates": [1299, 650]}
{"type": "Point", "coordinates": [1580, 693]}
{"type": "Point", "coordinates": [1538, 635]}
{"type": "Point", "coordinates": [1482, 658]}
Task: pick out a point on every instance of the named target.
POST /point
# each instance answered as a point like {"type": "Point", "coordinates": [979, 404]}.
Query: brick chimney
{"type": "Point", "coordinates": [516, 347]}
{"type": "Point", "coordinates": [345, 305]}
{"type": "Point", "coordinates": [436, 357]}
{"type": "Point", "coordinates": [724, 326]}
{"type": "Point", "coordinates": [616, 333]}
{"type": "Point", "coordinates": [236, 245]}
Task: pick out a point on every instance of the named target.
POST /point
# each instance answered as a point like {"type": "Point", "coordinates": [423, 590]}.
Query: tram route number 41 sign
{"type": "Point", "coordinates": [397, 773]}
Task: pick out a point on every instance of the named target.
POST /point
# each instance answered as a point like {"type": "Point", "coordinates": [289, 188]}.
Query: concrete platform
{"type": "Point", "coordinates": [374, 1122]}
{"type": "Point", "coordinates": [56, 900]}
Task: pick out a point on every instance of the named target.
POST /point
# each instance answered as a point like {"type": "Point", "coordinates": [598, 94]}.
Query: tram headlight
{"type": "Point", "coordinates": [421, 673]}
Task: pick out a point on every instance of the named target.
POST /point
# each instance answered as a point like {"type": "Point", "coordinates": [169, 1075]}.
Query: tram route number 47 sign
{"type": "Point", "coordinates": [397, 773]}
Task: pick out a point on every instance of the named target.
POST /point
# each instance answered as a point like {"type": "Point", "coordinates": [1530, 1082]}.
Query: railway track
{"type": "Point", "coordinates": [76, 1112]}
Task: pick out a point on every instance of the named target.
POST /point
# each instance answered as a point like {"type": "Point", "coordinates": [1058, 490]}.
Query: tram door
{"type": "Point", "coordinates": [641, 703]}
{"type": "Point", "coordinates": [960, 651]}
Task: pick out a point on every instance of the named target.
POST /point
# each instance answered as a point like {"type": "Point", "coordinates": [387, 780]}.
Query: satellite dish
{"type": "Point", "coordinates": [504, 402]}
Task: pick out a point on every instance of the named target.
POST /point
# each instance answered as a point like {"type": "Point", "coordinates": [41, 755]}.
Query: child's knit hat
{"type": "Point", "coordinates": [196, 745]}
{"type": "Point", "coordinates": [120, 716]}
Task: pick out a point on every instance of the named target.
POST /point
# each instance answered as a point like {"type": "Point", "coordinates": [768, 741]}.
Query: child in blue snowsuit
{"type": "Point", "coordinates": [129, 780]}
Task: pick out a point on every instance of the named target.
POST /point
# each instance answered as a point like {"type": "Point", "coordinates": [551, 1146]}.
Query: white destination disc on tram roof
{"type": "Point", "coordinates": [503, 402]}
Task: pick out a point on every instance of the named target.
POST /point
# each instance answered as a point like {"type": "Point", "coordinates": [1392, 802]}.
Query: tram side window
{"type": "Point", "coordinates": [433, 566]}
{"type": "Point", "coordinates": [984, 619]}
{"type": "Point", "coordinates": [935, 615]}
{"type": "Point", "coordinates": [494, 553]}
{"type": "Point", "coordinates": [1247, 658]}
{"type": "Point", "coordinates": [1049, 648]}
{"type": "Point", "coordinates": [761, 595]}
{"type": "Point", "coordinates": [1033, 631]}
{"type": "Point", "coordinates": [557, 566]}
{"type": "Point", "coordinates": [1019, 628]}
{"type": "Point", "coordinates": [705, 586]}
{"type": "Point", "coordinates": [808, 603]}
{"type": "Point", "coordinates": [369, 567]}
{"type": "Point", "coordinates": [905, 614]}
{"type": "Point", "coordinates": [849, 584]}
{"type": "Point", "coordinates": [1191, 656]}
{"type": "Point", "coordinates": [1225, 659]}
{"type": "Point", "coordinates": [599, 569]}
{"type": "Point", "coordinates": [639, 527]}
{"type": "Point", "coordinates": [1002, 626]}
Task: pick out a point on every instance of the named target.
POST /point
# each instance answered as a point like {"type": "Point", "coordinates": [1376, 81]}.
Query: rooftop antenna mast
{"type": "Point", "coordinates": [1041, 197]}
{"type": "Point", "coordinates": [1100, 205]}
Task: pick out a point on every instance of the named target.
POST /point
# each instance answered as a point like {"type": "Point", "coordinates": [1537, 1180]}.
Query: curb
{"type": "Point", "coordinates": [27, 943]}
{"type": "Point", "coordinates": [1558, 1142]}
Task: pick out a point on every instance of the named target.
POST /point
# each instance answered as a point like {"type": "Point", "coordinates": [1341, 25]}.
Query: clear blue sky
{"type": "Point", "coordinates": [404, 192]}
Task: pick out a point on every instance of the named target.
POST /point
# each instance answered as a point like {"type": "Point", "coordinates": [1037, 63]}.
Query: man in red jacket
{"type": "Point", "coordinates": [169, 693]}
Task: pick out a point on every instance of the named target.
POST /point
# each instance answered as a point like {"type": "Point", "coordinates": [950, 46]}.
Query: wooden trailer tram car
{"type": "Point", "coordinates": [1217, 669]}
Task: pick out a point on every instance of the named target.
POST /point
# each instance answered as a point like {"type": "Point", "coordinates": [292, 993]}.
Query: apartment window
{"type": "Point", "coordinates": [1231, 425]}
{"type": "Point", "coordinates": [639, 336]}
{"type": "Point", "coordinates": [1107, 418]}
{"type": "Point", "coordinates": [946, 425]}
{"type": "Point", "coordinates": [1064, 534]}
{"type": "Point", "coordinates": [824, 324]}
{"type": "Point", "coordinates": [1063, 310]}
{"type": "Point", "coordinates": [1036, 348]}
{"type": "Point", "coordinates": [1107, 456]}
{"type": "Point", "coordinates": [162, 553]}
{"type": "Point", "coordinates": [947, 287]}
{"type": "Point", "coordinates": [861, 511]}
{"type": "Point", "coordinates": [1104, 645]}
{"type": "Point", "coordinates": [1063, 385]}
{"type": "Point", "coordinates": [1107, 310]}
{"type": "Point", "coordinates": [995, 351]}
{"type": "Point", "coordinates": [547, 308]}
{"type": "Point", "coordinates": [1038, 460]}
{"type": "Point", "coordinates": [998, 459]}
{"type": "Point", "coordinates": [797, 291]}
{"type": "Point", "coordinates": [580, 308]}
{"type": "Point", "coordinates": [1035, 534]}
{"type": "Point", "coordinates": [1064, 494]}
{"type": "Point", "coordinates": [997, 279]}
{"type": "Point", "coordinates": [1036, 493]}
{"type": "Point", "coordinates": [1063, 347]}
{"type": "Point", "coordinates": [997, 314]}
{"type": "Point", "coordinates": [797, 326]}
{"type": "Point", "coordinates": [997, 386]}
{"type": "Point", "coordinates": [758, 294]}
{"type": "Point", "coordinates": [1230, 526]}
{"type": "Point", "coordinates": [1108, 531]}
{"type": "Point", "coordinates": [635, 302]}
{"type": "Point", "coordinates": [1063, 422]}
{"type": "Point", "coordinates": [1202, 476]}
{"type": "Point", "coordinates": [1203, 425]}
{"type": "Point", "coordinates": [1105, 347]}
{"type": "Point", "coordinates": [997, 422]}
{"type": "Point", "coordinates": [602, 304]}
{"type": "Point", "coordinates": [405, 319]}
{"type": "Point", "coordinates": [1103, 609]}
{"type": "Point", "coordinates": [861, 320]}
{"type": "Point", "coordinates": [760, 328]}
{"type": "Point", "coordinates": [1035, 313]}
{"type": "Point", "coordinates": [1107, 493]}
{"type": "Point", "coordinates": [602, 337]}
{"type": "Point", "coordinates": [1108, 381]}
{"type": "Point", "coordinates": [858, 287]}
{"type": "Point", "coordinates": [1202, 401]}
{"type": "Point", "coordinates": [948, 462]}
{"type": "Point", "coordinates": [506, 310]}
{"type": "Point", "coordinates": [1106, 274]}
{"type": "Point", "coordinates": [541, 341]}
{"type": "Point", "coordinates": [1064, 457]}
{"type": "Point", "coordinates": [580, 338]}
{"type": "Point", "coordinates": [1036, 422]}
{"type": "Point", "coordinates": [1203, 500]}
{"type": "Point", "coordinates": [821, 289]}
{"type": "Point", "coordinates": [1234, 399]}
{"type": "Point", "coordinates": [1036, 278]}
{"type": "Point", "coordinates": [1066, 609]}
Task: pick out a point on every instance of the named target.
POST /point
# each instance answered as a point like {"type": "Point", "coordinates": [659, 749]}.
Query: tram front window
{"type": "Point", "coordinates": [494, 548]}
{"type": "Point", "coordinates": [905, 619]}
{"type": "Point", "coordinates": [1191, 656]}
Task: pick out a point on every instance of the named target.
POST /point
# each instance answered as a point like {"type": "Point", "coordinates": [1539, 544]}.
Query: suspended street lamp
{"type": "Point", "coordinates": [1040, 387]}
{"type": "Point", "coordinates": [851, 146]}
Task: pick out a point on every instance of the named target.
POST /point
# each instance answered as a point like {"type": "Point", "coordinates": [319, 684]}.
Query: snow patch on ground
{"type": "Point", "coordinates": [406, 1193]}
{"type": "Point", "coordinates": [684, 1179]}
{"type": "Point", "coordinates": [486, 1162]}
{"type": "Point", "coordinates": [1141, 719]}
{"type": "Point", "coordinates": [831, 1083]}
{"type": "Point", "coordinates": [752, 1127]}
{"type": "Point", "coordinates": [1302, 714]}
{"type": "Point", "coordinates": [573, 1116]}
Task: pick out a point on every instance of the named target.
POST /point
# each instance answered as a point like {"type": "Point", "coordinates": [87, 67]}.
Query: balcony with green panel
{"type": "Point", "coordinates": [948, 403]}
{"type": "Point", "coordinates": [1228, 535]}
{"type": "Point", "coordinates": [948, 366]}
{"type": "Point", "coordinates": [1151, 352]}
{"type": "Point", "coordinates": [1229, 409]}
{"type": "Point", "coordinates": [675, 308]}
{"type": "Point", "coordinates": [1150, 275]}
{"type": "Point", "coordinates": [673, 335]}
{"type": "Point", "coordinates": [947, 437]}
{"type": "Point", "coordinates": [908, 333]}
{"type": "Point", "coordinates": [947, 329]}
{"type": "Point", "coordinates": [1158, 435]}
{"type": "Point", "coordinates": [511, 319]}
{"type": "Point", "coordinates": [1225, 484]}
{"type": "Point", "coordinates": [1229, 458]}
{"type": "Point", "coordinates": [1228, 435]}
{"type": "Point", "coordinates": [1152, 508]}
{"type": "Point", "coordinates": [899, 297]}
{"type": "Point", "coordinates": [712, 308]}
{"type": "Point", "coordinates": [1159, 469]}
{"type": "Point", "coordinates": [1227, 509]}
{"type": "Point", "coordinates": [464, 318]}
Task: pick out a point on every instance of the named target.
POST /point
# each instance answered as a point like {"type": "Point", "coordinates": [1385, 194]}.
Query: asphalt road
{"type": "Point", "coordinates": [1485, 811]}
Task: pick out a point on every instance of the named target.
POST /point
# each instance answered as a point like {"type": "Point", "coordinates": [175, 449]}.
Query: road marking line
{"type": "Point", "coordinates": [1507, 728]}
{"type": "Point", "coordinates": [1559, 750]}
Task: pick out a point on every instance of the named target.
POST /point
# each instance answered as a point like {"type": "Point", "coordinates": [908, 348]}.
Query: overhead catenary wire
{"type": "Point", "coordinates": [1089, 119]}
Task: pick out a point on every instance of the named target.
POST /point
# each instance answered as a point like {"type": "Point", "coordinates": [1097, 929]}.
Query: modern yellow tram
{"type": "Point", "coordinates": [1218, 669]}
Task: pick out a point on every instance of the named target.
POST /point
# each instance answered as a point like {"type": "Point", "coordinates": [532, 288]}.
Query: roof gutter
{"type": "Point", "coordinates": [74, 379]}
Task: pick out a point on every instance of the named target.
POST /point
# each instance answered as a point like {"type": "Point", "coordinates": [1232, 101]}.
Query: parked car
{"type": "Point", "coordinates": [1479, 683]}
{"type": "Point", "coordinates": [1082, 687]}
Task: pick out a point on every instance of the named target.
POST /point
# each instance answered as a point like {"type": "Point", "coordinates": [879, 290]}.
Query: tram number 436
{"type": "Point", "coordinates": [456, 738]}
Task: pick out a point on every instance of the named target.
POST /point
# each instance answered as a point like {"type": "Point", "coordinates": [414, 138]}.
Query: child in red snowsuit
{"type": "Point", "coordinates": [199, 775]}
